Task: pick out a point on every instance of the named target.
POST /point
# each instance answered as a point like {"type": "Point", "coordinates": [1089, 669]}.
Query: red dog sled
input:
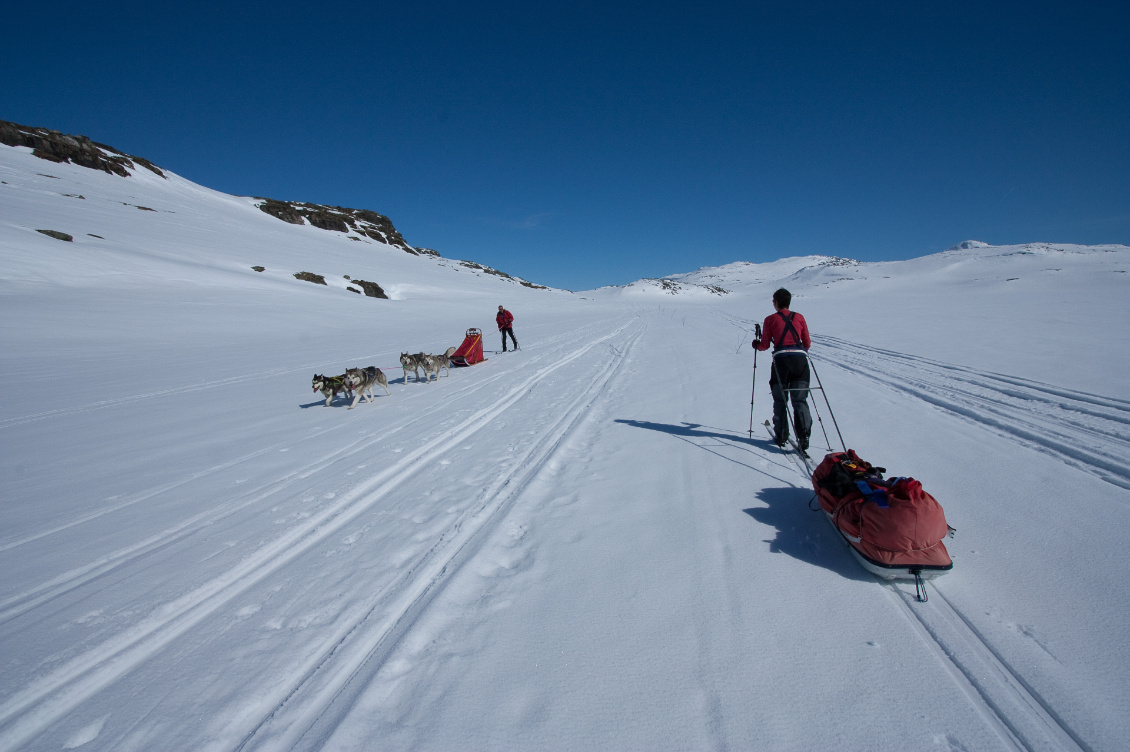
{"type": "Point", "coordinates": [471, 351]}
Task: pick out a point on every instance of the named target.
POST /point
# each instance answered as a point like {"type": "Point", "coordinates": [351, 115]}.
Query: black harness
{"type": "Point", "coordinates": [789, 329]}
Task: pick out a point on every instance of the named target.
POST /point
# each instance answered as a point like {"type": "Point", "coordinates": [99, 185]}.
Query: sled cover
{"type": "Point", "coordinates": [471, 351]}
{"type": "Point", "coordinates": [891, 522]}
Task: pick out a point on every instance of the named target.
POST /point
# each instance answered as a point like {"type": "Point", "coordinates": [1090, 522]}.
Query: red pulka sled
{"type": "Point", "coordinates": [892, 526]}
{"type": "Point", "coordinates": [471, 351]}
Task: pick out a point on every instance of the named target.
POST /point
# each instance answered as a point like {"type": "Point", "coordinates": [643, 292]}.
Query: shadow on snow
{"type": "Point", "coordinates": [801, 532]}
{"type": "Point", "coordinates": [693, 432]}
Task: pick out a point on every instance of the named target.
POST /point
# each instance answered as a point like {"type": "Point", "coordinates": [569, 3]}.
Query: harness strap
{"type": "Point", "coordinates": [789, 329]}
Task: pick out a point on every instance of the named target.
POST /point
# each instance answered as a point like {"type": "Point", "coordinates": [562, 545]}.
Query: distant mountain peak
{"type": "Point", "coordinates": [967, 245]}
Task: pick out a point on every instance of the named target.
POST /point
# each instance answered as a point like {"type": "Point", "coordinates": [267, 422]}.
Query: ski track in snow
{"type": "Point", "coordinates": [1006, 702]}
{"type": "Point", "coordinates": [325, 688]}
{"type": "Point", "coordinates": [1025, 411]}
{"type": "Point", "coordinates": [352, 649]}
{"type": "Point", "coordinates": [425, 414]}
{"type": "Point", "coordinates": [17, 604]}
{"type": "Point", "coordinates": [256, 377]}
{"type": "Point", "coordinates": [1087, 431]}
{"type": "Point", "coordinates": [1021, 717]}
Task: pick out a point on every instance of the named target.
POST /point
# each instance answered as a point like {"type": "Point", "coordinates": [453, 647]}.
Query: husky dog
{"type": "Point", "coordinates": [361, 380]}
{"type": "Point", "coordinates": [330, 386]}
{"type": "Point", "coordinates": [410, 363]}
{"type": "Point", "coordinates": [428, 363]}
{"type": "Point", "coordinates": [439, 361]}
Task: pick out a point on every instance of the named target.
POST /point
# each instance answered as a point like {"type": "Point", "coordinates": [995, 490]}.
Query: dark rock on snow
{"type": "Point", "coordinates": [57, 235]}
{"type": "Point", "coordinates": [80, 150]}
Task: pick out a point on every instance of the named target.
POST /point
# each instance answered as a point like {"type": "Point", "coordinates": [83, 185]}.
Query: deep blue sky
{"type": "Point", "coordinates": [582, 144]}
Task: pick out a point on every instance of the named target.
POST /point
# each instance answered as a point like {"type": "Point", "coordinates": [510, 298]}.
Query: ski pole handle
{"type": "Point", "coordinates": [753, 390]}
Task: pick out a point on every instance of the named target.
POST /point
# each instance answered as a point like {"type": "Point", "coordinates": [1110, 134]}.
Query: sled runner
{"type": "Point", "coordinates": [471, 351]}
{"type": "Point", "coordinates": [893, 527]}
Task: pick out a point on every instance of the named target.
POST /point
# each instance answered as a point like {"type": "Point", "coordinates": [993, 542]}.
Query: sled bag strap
{"type": "Point", "coordinates": [877, 495]}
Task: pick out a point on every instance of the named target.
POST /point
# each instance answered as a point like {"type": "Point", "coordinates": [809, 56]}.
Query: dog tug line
{"type": "Point", "coordinates": [892, 526]}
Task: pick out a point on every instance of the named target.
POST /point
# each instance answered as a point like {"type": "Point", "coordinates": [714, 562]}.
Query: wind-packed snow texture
{"type": "Point", "coordinates": [575, 546]}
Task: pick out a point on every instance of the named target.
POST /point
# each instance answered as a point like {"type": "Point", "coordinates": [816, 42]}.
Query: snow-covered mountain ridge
{"type": "Point", "coordinates": [203, 208]}
{"type": "Point", "coordinates": [817, 270]}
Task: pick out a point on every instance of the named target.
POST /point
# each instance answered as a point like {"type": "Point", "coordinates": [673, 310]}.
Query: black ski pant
{"type": "Point", "coordinates": [790, 382]}
{"type": "Point", "coordinates": [508, 330]}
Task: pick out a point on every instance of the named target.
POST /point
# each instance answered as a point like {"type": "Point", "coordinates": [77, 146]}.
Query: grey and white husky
{"type": "Point", "coordinates": [411, 363]}
{"type": "Point", "coordinates": [361, 380]}
{"type": "Point", "coordinates": [329, 386]}
{"type": "Point", "coordinates": [437, 362]}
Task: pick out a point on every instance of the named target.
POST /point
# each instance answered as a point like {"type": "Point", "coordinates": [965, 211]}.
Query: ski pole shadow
{"type": "Point", "coordinates": [693, 433]}
{"type": "Point", "coordinates": [802, 533]}
{"type": "Point", "coordinates": [695, 430]}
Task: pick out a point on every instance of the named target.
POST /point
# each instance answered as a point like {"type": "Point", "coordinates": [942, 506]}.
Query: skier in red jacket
{"type": "Point", "coordinates": [505, 321]}
{"type": "Point", "coordinates": [788, 333]}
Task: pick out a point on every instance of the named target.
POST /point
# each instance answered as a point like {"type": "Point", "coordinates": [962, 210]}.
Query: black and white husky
{"type": "Point", "coordinates": [329, 386]}
{"type": "Point", "coordinates": [361, 380]}
{"type": "Point", "coordinates": [411, 363]}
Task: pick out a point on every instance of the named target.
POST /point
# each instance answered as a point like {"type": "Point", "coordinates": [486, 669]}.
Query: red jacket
{"type": "Point", "coordinates": [774, 331]}
{"type": "Point", "coordinates": [504, 319]}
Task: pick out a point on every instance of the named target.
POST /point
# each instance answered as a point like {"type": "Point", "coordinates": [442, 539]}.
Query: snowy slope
{"type": "Point", "coordinates": [575, 546]}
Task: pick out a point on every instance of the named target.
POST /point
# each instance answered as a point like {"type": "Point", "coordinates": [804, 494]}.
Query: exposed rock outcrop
{"type": "Point", "coordinates": [317, 279]}
{"type": "Point", "coordinates": [372, 289]}
{"type": "Point", "coordinates": [340, 219]}
{"type": "Point", "coordinates": [490, 270]}
{"type": "Point", "coordinates": [80, 150]}
{"type": "Point", "coordinates": [57, 235]}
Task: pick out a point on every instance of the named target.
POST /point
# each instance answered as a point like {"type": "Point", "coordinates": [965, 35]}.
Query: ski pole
{"type": "Point", "coordinates": [753, 392]}
{"type": "Point", "coordinates": [820, 419]}
{"type": "Point", "coordinates": [820, 384]}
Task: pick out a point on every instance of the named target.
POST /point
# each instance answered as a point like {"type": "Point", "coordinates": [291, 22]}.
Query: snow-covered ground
{"type": "Point", "coordinates": [575, 546]}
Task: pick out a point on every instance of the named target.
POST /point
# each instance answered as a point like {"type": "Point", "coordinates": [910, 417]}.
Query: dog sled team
{"type": "Point", "coordinates": [358, 383]}
{"type": "Point", "coordinates": [355, 383]}
{"type": "Point", "coordinates": [430, 363]}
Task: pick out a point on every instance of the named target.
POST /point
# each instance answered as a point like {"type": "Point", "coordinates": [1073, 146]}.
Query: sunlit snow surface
{"type": "Point", "coordinates": [575, 546]}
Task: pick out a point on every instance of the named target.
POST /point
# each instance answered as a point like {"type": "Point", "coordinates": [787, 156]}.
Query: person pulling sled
{"type": "Point", "coordinates": [787, 331]}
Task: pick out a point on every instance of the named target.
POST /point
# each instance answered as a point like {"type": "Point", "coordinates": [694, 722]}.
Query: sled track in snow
{"type": "Point", "coordinates": [19, 603]}
{"type": "Point", "coordinates": [1035, 414]}
{"type": "Point", "coordinates": [228, 381]}
{"type": "Point", "coordinates": [1087, 431]}
{"type": "Point", "coordinates": [327, 686]}
{"type": "Point", "coordinates": [33, 708]}
{"type": "Point", "coordinates": [22, 602]}
{"type": "Point", "coordinates": [1005, 700]}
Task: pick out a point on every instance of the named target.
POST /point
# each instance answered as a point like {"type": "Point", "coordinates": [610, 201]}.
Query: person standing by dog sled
{"type": "Point", "coordinates": [788, 333]}
{"type": "Point", "coordinates": [505, 321]}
